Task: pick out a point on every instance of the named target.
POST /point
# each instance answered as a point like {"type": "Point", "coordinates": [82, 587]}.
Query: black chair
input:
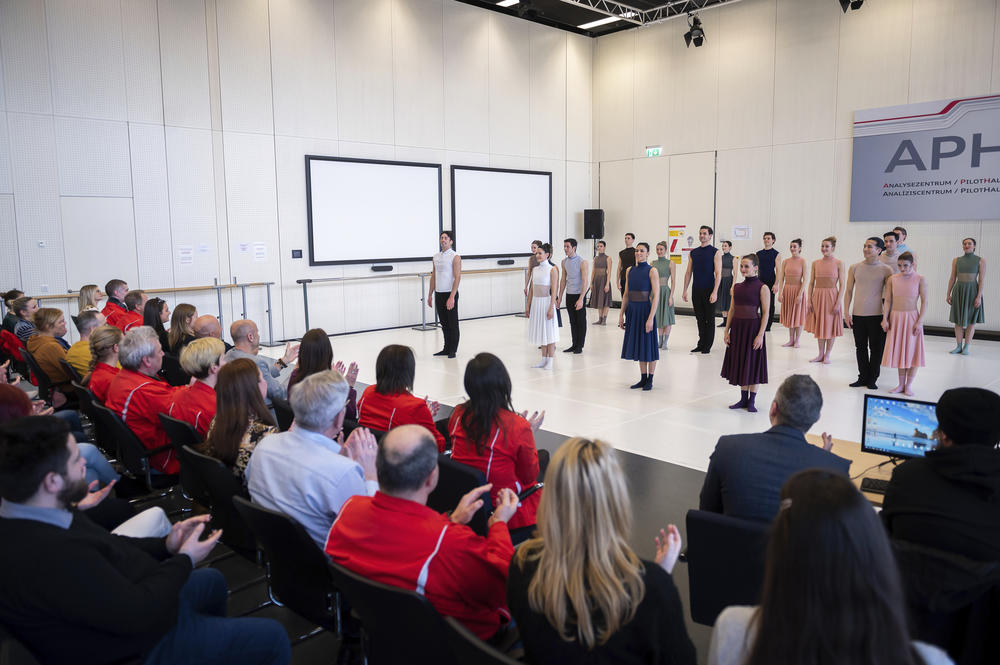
{"type": "Point", "coordinates": [130, 451]}
{"type": "Point", "coordinates": [455, 480]}
{"type": "Point", "coordinates": [13, 652]}
{"type": "Point", "coordinates": [70, 371]}
{"type": "Point", "coordinates": [86, 400]}
{"type": "Point", "coordinates": [172, 372]}
{"type": "Point", "coordinates": [298, 572]}
{"type": "Point", "coordinates": [222, 486]}
{"type": "Point", "coordinates": [468, 648]}
{"type": "Point", "coordinates": [41, 378]}
{"type": "Point", "coordinates": [397, 625]}
{"type": "Point", "coordinates": [725, 558]}
{"type": "Point", "coordinates": [180, 434]}
{"type": "Point", "coordinates": [283, 413]}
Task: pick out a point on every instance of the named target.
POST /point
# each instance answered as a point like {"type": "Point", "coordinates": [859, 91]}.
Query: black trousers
{"type": "Point", "coordinates": [448, 319]}
{"type": "Point", "coordinates": [770, 315]}
{"type": "Point", "coordinates": [577, 320]}
{"type": "Point", "coordinates": [704, 313]}
{"type": "Point", "coordinates": [869, 341]}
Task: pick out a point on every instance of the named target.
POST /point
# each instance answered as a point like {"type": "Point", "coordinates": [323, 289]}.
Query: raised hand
{"type": "Point", "coordinates": [291, 353]}
{"type": "Point", "coordinates": [433, 405]}
{"type": "Point", "coordinates": [362, 447]}
{"type": "Point", "coordinates": [827, 441]}
{"type": "Point", "coordinates": [535, 420]}
{"type": "Point", "coordinates": [469, 504]}
{"type": "Point", "coordinates": [668, 547]}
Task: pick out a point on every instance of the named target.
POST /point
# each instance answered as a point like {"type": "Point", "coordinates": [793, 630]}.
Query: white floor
{"type": "Point", "coordinates": [678, 421]}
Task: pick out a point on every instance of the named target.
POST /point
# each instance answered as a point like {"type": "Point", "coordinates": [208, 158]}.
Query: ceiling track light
{"type": "Point", "coordinates": [696, 34]}
{"type": "Point", "coordinates": [851, 4]}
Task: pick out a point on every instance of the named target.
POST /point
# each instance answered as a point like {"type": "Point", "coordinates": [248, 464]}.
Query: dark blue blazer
{"type": "Point", "coordinates": [746, 471]}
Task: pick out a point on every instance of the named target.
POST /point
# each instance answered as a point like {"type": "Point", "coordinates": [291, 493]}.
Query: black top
{"type": "Point", "coordinates": [727, 265]}
{"type": "Point", "coordinates": [949, 500]}
{"type": "Point", "coordinates": [656, 635]}
{"type": "Point", "coordinates": [627, 258]}
{"type": "Point", "coordinates": [176, 350]}
{"type": "Point", "coordinates": [767, 258]}
{"type": "Point", "coordinates": [746, 471]}
{"type": "Point", "coordinates": [9, 321]}
{"type": "Point", "coordinates": [81, 595]}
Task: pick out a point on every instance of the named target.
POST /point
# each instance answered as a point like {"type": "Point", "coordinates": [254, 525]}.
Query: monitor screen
{"type": "Point", "coordinates": [898, 427]}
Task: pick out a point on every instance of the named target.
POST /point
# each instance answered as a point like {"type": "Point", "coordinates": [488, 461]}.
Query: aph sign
{"type": "Point", "coordinates": [928, 161]}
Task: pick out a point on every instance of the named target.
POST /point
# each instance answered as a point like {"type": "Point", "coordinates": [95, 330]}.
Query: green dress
{"type": "Point", "coordinates": [963, 295]}
{"type": "Point", "coordinates": [664, 312]}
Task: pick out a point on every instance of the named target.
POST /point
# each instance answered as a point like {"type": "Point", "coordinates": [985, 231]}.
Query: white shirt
{"type": "Point", "coordinates": [444, 271]}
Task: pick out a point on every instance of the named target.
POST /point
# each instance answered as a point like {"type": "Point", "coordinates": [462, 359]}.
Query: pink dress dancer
{"type": "Point", "coordinates": [903, 322]}
{"type": "Point", "coordinates": [825, 319]}
{"type": "Point", "coordinates": [793, 298]}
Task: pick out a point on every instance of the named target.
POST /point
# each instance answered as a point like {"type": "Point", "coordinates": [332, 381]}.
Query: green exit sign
{"type": "Point", "coordinates": [654, 150]}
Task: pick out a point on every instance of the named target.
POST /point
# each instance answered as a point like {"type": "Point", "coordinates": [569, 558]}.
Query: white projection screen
{"type": "Point", "coordinates": [498, 212]}
{"type": "Point", "coordinates": [366, 211]}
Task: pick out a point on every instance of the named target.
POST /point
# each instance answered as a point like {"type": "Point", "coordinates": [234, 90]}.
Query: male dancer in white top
{"type": "Point", "coordinates": [445, 277]}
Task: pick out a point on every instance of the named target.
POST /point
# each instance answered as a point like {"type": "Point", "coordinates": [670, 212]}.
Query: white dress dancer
{"type": "Point", "coordinates": [541, 329]}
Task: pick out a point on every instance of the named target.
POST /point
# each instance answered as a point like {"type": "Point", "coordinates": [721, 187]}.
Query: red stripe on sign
{"type": "Point", "coordinates": [947, 108]}
{"type": "Point", "coordinates": [673, 245]}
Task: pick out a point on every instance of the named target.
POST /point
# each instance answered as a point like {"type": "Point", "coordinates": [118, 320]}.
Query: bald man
{"type": "Point", "coordinates": [208, 325]}
{"type": "Point", "coordinates": [246, 344]}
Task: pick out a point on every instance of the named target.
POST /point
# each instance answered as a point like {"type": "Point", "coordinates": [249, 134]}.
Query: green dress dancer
{"type": "Point", "coordinates": [964, 312]}
{"type": "Point", "coordinates": [664, 312]}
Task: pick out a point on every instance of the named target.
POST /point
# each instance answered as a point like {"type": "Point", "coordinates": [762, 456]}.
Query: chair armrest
{"type": "Point", "coordinates": [531, 490]}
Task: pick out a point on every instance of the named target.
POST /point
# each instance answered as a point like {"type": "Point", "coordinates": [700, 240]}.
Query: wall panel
{"type": "Point", "coordinates": [614, 74]}
{"type": "Point", "coordinates": [579, 197]}
{"type": "Point", "coordinates": [93, 157]}
{"type": "Point", "coordinates": [744, 195]}
{"type": "Point", "coordinates": [141, 53]}
{"type": "Point", "coordinates": [653, 90]}
{"type": "Point", "coordinates": [364, 70]}
{"type": "Point", "coordinates": [746, 83]}
{"type": "Point", "coordinates": [245, 65]}
{"type": "Point", "coordinates": [151, 205]}
{"type": "Point", "coordinates": [184, 63]}
{"type": "Point", "coordinates": [651, 199]}
{"type": "Point", "coordinates": [6, 180]}
{"type": "Point", "coordinates": [510, 88]}
{"type": "Point", "coordinates": [190, 177]}
{"type": "Point", "coordinates": [25, 57]}
{"type": "Point", "coordinates": [693, 80]}
{"type": "Point", "coordinates": [579, 98]}
{"type": "Point", "coordinates": [466, 78]}
{"type": "Point", "coordinates": [548, 93]}
{"type": "Point", "coordinates": [801, 195]}
{"type": "Point", "coordinates": [950, 39]}
{"type": "Point", "coordinates": [95, 225]}
{"type": "Point", "coordinates": [617, 201]}
{"type": "Point", "coordinates": [10, 269]}
{"type": "Point", "coordinates": [418, 72]}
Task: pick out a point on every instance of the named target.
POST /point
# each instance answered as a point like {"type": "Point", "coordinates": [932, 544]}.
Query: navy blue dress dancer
{"type": "Point", "coordinates": [638, 316]}
{"type": "Point", "coordinates": [745, 364]}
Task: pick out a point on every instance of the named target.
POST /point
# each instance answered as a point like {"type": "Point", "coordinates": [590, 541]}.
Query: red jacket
{"type": "Point", "coordinates": [383, 412]}
{"type": "Point", "coordinates": [111, 308]}
{"type": "Point", "coordinates": [100, 381]}
{"type": "Point", "coordinates": [124, 321]}
{"type": "Point", "coordinates": [509, 459]}
{"type": "Point", "coordinates": [139, 399]}
{"type": "Point", "coordinates": [408, 545]}
{"type": "Point", "coordinates": [194, 404]}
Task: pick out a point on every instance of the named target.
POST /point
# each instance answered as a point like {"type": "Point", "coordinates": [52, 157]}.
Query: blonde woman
{"type": "Point", "coordinates": [104, 360]}
{"type": "Point", "coordinates": [578, 592]}
{"type": "Point", "coordinates": [90, 297]}
{"type": "Point", "coordinates": [181, 328]}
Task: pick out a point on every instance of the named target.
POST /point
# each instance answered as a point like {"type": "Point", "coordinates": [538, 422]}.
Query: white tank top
{"type": "Point", "coordinates": [444, 273]}
{"type": "Point", "coordinates": [541, 274]}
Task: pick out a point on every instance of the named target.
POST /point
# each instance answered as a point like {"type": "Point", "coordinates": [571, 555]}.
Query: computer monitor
{"type": "Point", "coordinates": [898, 427]}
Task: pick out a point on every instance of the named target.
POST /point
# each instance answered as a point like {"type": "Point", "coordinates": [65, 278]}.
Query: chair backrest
{"type": "Point", "coordinates": [180, 434]}
{"type": "Point", "coordinates": [172, 371]}
{"type": "Point", "coordinates": [70, 371]}
{"type": "Point", "coordinates": [130, 451]}
{"type": "Point", "coordinates": [106, 439]}
{"type": "Point", "coordinates": [222, 485]}
{"type": "Point", "coordinates": [41, 379]}
{"type": "Point", "coordinates": [283, 412]}
{"type": "Point", "coordinates": [298, 571]}
{"type": "Point", "coordinates": [725, 559]}
{"type": "Point", "coordinates": [455, 480]}
{"type": "Point", "coordinates": [13, 652]}
{"type": "Point", "coordinates": [468, 648]}
{"type": "Point", "coordinates": [399, 625]}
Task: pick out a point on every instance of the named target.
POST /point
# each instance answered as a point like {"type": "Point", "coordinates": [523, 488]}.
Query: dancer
{"type": "Point", "coordinates": [446, 274]}
{"type": "Point", "coordinates": [769, 259]}
{"type": "Point", "coordinates": [890, 256]}
{"type": "Point", "coordinates": [726, 285]}
{"type": "Point", "coordinates": [667, 271]}
{"type": "Point", "coordinates": [868, 280]}
{"type": "Point", "coordinates": [705, 265]}
{"type": "Point", "coordinates": [745, 363]}
{"type": "Point", "coordinates": [600, 284]}
{"type": "Point", "coordinates": [626, 259]}
{"type": "Point", "coordinates": [824, 319]}
{"type": "Point", "coordinates": [543, 328]}
{"type": "Point", "coordinates": [904, 323]}
{"type": "Point", "coordinates": [901, 245]}
{"type": "Point", "coordinates": [574, 276]}
{"type": "Point", "coordinates": [965, 295]}
{"type": "Point", "coordinates": [792, 287]}
{"type": "Point", "coordinates": [640, 322]}
{"type": "Point", "coordinates": [532, 262]}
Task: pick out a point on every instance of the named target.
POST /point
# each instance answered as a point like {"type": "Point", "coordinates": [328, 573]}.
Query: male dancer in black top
{"type": "Point", "coordinates": [768, 258]}
{"type": "Point", "coordinates": [705, 265]}
{"type": "Point", "coordinates": [626, 260]}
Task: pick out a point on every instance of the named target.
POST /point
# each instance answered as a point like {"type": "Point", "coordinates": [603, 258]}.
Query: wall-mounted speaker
{"type": "Point", "coordinates": [593, 224]}
{"type": "Point", "coordinates": [382, 268]}
{"type": "Point", "coordinates": [505, 262]}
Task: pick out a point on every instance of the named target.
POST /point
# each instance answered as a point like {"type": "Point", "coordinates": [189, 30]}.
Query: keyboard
{"type": "Point", "coordinates": [874, 485]}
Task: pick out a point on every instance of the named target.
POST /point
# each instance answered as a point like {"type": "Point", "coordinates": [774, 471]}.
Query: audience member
{"type": "Point", "coordinates": [48, 347]}
{"type": "Point", "coordinates": [78, 354]}
{"type": "Point", "coordinates": [831, 592]}
{"type": "Point", "coordinates": [950, 499]}
{"type": "Point", "coordinates": [316, 355]}
{"type": "Point", "coordinates": [394, 538]}
{"type": "Point", "coordinates": [487, 434]}
{"type": "Point", "coordinates": [578, 592]}
{"type": "Point", "coordinates": [308, 472]}
{"type": "Point", "coordinates": [155, 313]}
{"type": "Point", "coordinates": [138, 396]}
{"type": "Point", "coordinates": [207, 325]}
{"type": "Point", "coordinates": [116, 290]}
{"type": "Point", "coordinates": [90, 298]}
{"type": "Point", "coordinates": [10, 318]}
{"type": "Point", "coordinates": [242, 419]}
{"type": "Point", "coordinates": [104, 367]}
{"type": "Point", "coordinates": [24, 309]}
{"type": "Point", "coordinates": [389, 403]}
{"type": "Point", "coordinates": [246, 342]}
{"type": "Point", "coordinates": [135, 303]}
{"type": "Point", "coordinates": [181, 328]}
{"type": "Point", "coordinates": [195, 403]}
{"type": "Point", "coordinates": [73, 593]}
{"type": "Point", "coordinates": [746, 471]}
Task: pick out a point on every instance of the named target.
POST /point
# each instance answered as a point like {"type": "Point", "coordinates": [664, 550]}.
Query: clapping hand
{"type": "Point", "coordinates": [535, 420]}
{"type": "Point", "coordinates": [185, 538]}
{"type": "Point", "coordinates": [38, 408]}
{"type": "Point", "coordinates": [291, 353]}
{"type": "Point", "coordinates": [350, 373]}
{"type": "Point", "coordinates": [668, 547]}
{"type": "Point", "coordinates": [827, 441]}
{"type": "Point", "coordinates": [94, 497]}
{"type": "Point", "coordinates": [432, 405]}
{"type": "Point", "coordinates": [506, 506]}
{"type": "Point", "coordinates": [362, 447]}
{"type": "Point", "coordinates": [469, 504]}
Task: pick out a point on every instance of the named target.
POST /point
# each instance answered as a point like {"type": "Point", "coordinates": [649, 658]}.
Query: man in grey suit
{"type": "Point", "coordinates": [746, 471]}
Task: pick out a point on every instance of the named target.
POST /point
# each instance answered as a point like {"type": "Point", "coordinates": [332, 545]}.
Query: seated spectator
{"type": "Point", "coordinates": [78, 354]}
{"type": "Point", "coordinates": [47, 346]}
{"type": "Point", "coordinates": [246, 342]}
{"type": "Point", "coordinates": [831, 592]}
{"type": "Point", "coordinates": [306, 472]}
{"type": "Point", "coordinates": [242, 419]}
{"type": "Point", "coordinates": [116, 291]}
{"type": "Point", "coordinates": [207, 325]}
{"type": "Point", "coordinates": [394, 538]}
{"type": "Point", "coordinates": [74, 593]}
{"type": "Point", "coordinates": [181, 330]}
{"type": "Point", "coordinates": [155, 313]}
{"type": "Point", "coordinates": [578, 592]}
{"type": "Point", "coordinates": [24, 308]}
{"type": "Point", "coordinates": [135, 303]}
{"type": "Point", "coordinates": [195, 403]}
{"type": "Point", "coordinates": [746, 471]}
{"type": "Point", "coordinates": [90, 298]}
{"type": "Point", "coordinates": [950, 499]}
{"type": "Point", "coordinates": [389, 403]}
{"type": "Point", "coordinates": [138, 395]}
{"type": "Point", "coordinates": [104, 367]}
{"type": "Point", "coordinates": [486, 433]}
{"type": "Point", "coordinates": [316, 355]}
{"type": "Point", "coordinates": [10, 318]}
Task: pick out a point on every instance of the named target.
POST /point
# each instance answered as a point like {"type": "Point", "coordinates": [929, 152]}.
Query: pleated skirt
{"type": "Point", "coordinates": [542, 330]}
{"type": "Point", "coordinates": [793, 307]}
{"type": "Point", "coordinates": [903, 349]}
{"type": "Point", "coordinates": [743, 365]}
{"type": "Point", "coordinates": [639, 344]}
{"type": "Point", "coordinates": [822, 322]}
{"type": "Point", "coordinates": [963, 305]}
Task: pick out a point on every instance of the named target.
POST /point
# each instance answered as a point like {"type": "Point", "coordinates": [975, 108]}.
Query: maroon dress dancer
{"type": "Point", "coordinates": [743, 365]}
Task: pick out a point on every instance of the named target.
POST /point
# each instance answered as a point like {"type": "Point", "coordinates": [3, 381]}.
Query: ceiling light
{"type": "Point", "coordinates": [507, 3]}
{"type": "Point", "coordinates": [594, 24]}
{"type": "Point", "coordinates": [851, 4]}
{"type": "Point", "coordinates": [696, 34]}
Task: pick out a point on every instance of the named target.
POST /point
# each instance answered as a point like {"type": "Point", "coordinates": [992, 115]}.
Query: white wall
{"type": "Point", "coordinates": [132, 129]}
{"type": "Point", "coordinates": [772, 91]}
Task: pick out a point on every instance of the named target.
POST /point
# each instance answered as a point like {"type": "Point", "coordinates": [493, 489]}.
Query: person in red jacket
{"type": "Point", "coordinates": [389, 402]}
{"type": "Point", "coordinates": [104, 341]}
{"type": "Point", "coordinates": [394, 538]}
{"type": "Point", "coordinates": [135, 302]}
{"type": "Point", "coordinates": [116, 290]}
{"type": "Point", "coordinates": [195, 403]}
{"type": "Point", "coordinates": [138, 396]}
{"type": "Point", "coordinates": [487, 434]}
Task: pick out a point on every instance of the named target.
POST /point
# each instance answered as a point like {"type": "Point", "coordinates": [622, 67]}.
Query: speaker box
{"type": "Point", "coordinates": [593, 224]}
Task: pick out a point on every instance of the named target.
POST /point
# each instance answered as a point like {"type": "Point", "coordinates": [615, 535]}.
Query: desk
{"type": "Point", "coordinates": [859, 462]}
